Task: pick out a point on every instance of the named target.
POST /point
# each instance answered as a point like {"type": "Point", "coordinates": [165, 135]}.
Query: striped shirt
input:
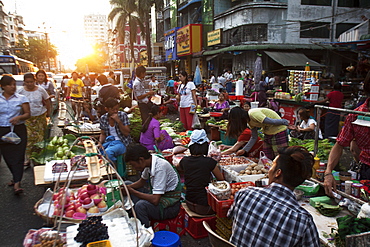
{"type": "Point", "coordinates": [271, 217]}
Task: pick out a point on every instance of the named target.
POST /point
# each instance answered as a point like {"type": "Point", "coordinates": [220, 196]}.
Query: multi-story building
{"type": "Point", "coordinates": [96, 28]}
{"type": "Point", "coordinates": [4, 34]}
{"type": "Point", "coordinates": [278, 28]}
{"type": "Point", "coordinates": [16, 31]}
{"type": "Point", "coordinates": [234, 32]}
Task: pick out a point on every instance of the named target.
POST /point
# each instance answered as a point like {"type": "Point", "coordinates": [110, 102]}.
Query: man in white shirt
{"type": "Point", "coordinates": [163, 201]}
{"type": "Point", "coordinates": [140, 95]}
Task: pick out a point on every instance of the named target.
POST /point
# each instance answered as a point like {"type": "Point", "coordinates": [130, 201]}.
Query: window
{"type": "Point", "coordinates": [342, 27]}
{"type": "Point", "coordinates": [10, 19]}
{"type": "Point", "coordinates": [12, 35]}
{"type": "Point", "coordinates": [11, 27]}
{"type": "Point", "coordinates": [246, 33]}
{"type": "Point", "coordinates": [314, 30]}
{"type": "Point", "coordinates": [317, 2]}
{"type": "Point", "coordinates": [354, 3]}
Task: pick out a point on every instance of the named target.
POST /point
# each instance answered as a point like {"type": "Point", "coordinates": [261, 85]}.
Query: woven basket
{"type": "Point", "coordinates": [52, 219]}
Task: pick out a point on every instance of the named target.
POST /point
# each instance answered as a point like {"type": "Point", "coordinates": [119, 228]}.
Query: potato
{"type": "Point", "coordinates": [259, 172]}
{"type": "Point", "coordinates": [242, 172]}
{"type": "Point", "coordinates": [264, 170]}
{"type": "Point", "coordinates": [253, 165]}
{"type": "Point", "coordinates": [248, 172]}
{"type": "Point", "coordinates": [254, 172]}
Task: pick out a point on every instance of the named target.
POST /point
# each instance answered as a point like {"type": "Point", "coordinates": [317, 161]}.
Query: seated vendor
{"type": "Point", "coordinates": [306, 130]}
{"type": "Point", "coordinates": [171, 104]}
{"type": "Point", "coordinates": [271, 216]}
{"type": "Point", "coordinates": [151, 133]}
{"type": "Point", "coordinates": [114, 130]}
{"type": "Point", "coordinates": [89, 112]}
{"type": "Point", "coordinates": [237, 128]}
{"type": "Point", "coordinates": [222, 105]}
{"type": "Point", "coordinates": [163, 201]}
{"type": "Point", "coordinates": [197, 172]}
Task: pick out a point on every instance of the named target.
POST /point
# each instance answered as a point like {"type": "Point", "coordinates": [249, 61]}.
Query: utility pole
{"type": "Point", "coordinates": [47, 50]}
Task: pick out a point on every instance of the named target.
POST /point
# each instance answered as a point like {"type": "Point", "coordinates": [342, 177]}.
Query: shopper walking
{"type": "Point", "coordinates": [14, 110]}
{"type": "Point", "coordinates": [141, 96]}
{"type": "Point", "coordinates": [40, 107]}
{"type": "Point", "coordinates": [186, 98]}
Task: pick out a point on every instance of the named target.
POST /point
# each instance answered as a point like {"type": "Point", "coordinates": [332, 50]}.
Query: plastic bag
{"type": "Point", "coordinates": [11, 137]}
{"type": "Point", "coordinates": [221, 189]}
{"type": "Point", "coordinates": [196, 123]}
{"type": "Point", "coordinates": [264, 160]}
{"type": "Point", "coordinates": [214, 152]}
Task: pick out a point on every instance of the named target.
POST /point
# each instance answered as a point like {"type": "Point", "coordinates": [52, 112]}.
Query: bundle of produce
{"type": "Point", "coordinates": [349, 225]}
{"type": "Point", "coordinates": [327, 209]}
{"type": "Point", "coordinates": [221, 189]}
{"type": "Point", "coordinates": [56, 148]}
{"type": "Point", "coordinates": [44, 237]}
{"type": "Point", "coordinates": [177, 126]}
{"type": "Point", "coordinates": [324, 146]}
{"type": "Point", "coordinates": [254, 169]}
{"type": "Point", "coordinates": [235, 187]}
{"type": "Point", "coordinates": [221, 124]}
{"type": "Point", "coordinates": [135, 125]}
{"type": "Point", "coordinates": [91, 230]}
{"type": "Point", "coordinates": [234, 160]}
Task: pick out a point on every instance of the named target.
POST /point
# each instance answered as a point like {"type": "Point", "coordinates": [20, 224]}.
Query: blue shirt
{"type": "Point", "coordinates": [10, 108]}
{"type": "Point", "coordinates": [171, 83]}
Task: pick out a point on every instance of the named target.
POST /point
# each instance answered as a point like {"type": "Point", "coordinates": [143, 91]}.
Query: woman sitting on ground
{"type": "Point", "coordinates": [306, 130]}
{"type": "Point", "coordinates": [151, 134]}
{"type": "Point", "coordinates": [237, 128]}
{"type": "Point", "coordinates": [197, 172]}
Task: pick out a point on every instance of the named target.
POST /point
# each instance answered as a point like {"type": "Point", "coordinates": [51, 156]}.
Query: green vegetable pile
{"type": "Point", "coordinates": [56, 148]}
{"type": "Point", "coordinates": [327, 209]}
{"type": "Point", "coordinates": [221, 124]}
{"type": "Point", "coordinates": [135, 125]}
{"type": "Point", "coordinates": [349, 225]}
{"type": "Point", "coordinates": [177, 126]}
{"type": "Point", "coordinates": [324, 146]}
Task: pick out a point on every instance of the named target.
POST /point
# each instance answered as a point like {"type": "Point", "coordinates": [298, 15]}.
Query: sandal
{"type": "Point", "coordinates": [18, 191]}
{"type": "Point", "coordinates": [11, 183]}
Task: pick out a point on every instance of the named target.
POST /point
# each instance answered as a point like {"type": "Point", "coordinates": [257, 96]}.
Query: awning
{"type": "Point", "coordinates": [211, 57]}
{"type": "Point", "coordinates": [253, 47]}
{"type": "Point", "coordinates": [289, 59]}
{"type": "Point", "coordinates": [189, 3]}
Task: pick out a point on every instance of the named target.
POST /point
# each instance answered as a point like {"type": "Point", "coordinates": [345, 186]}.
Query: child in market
{"type": "Point", "coordinates": [89, 112]}
{"type": "Point", "coordinates": [197, 173]}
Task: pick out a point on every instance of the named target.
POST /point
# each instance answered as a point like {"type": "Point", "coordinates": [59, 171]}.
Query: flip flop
{"type": "Point", "coordinates": [18, 191]}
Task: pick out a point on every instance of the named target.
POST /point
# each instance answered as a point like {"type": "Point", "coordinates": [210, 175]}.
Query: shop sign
{"type": "Point", "coordinates": [288, 113]}
{"type": "Point", "coordinates": [170, 44]}
{"type": "Point", "coordinates": [214, 37]}
{"type": "Point", "coordinates": [189, 39]}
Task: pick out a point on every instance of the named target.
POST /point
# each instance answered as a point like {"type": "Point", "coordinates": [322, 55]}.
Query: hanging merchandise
{"type": "Point", "coordinates": [302, 82]}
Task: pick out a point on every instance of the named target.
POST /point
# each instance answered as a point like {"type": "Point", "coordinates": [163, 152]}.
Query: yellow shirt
{"type": "Point", "coordinates": [76, 88]}
{"type": "Point", "coordinates": [257, 115]}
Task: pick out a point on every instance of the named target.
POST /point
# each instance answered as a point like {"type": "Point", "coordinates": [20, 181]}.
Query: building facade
{"type": "Point", "coordinates": [96, 28]}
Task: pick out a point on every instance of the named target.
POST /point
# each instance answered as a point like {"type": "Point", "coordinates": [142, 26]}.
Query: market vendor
{"type": "Point", "coordinates": [114, 130]}
{"type": "Point", "coordinates": [151, 133]}
{"type": "Point", "coordinates": [273, 127]}
{"type": "Point", "coordinates": [332, 118]}
{"type": "Point", "coordinates": [163, 201]}
{"type": "Point", "coordinates": [306, 130]}
{"type": "Point", "coordinates": [271, 216]}
{"type": "Point", "coordinates": [349, 133]}
{"type": "Point", "coordinates": [237, 128]}
{"type": "Point", "coordinates": [222, 105]}
{"type": "Point", "coordinates": [197, 173]}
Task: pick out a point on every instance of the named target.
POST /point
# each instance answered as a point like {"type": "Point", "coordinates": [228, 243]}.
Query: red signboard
{"type": "Point", "coordinates": [288, 113]}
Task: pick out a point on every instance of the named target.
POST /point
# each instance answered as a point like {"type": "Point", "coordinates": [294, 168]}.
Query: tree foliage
{"type": "Point", "coordinates": [36, 50]}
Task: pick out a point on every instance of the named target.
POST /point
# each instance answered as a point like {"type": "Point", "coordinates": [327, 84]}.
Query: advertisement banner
{"type": "Point", "coordinates": [288, 113]}
{"type": "Point", "coordinates": [214, 37]}
{"type": "Point", "coordinates": [189, 39]}
{"type": "Point", "coordinates": [170, 44]}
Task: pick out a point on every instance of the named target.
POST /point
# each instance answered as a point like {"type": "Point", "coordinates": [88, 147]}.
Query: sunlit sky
{"type": "Point", "coordinates": [63, 21]}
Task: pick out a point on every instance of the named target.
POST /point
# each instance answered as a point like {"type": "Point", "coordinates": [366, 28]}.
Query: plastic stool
{"type": "Point", "coordinates": [171, 225]}
{"type": "Point", "coordinates": [166, 239]}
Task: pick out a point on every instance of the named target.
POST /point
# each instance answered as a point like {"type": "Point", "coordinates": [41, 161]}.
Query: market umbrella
{"type": "Point", "coordinates": [197, 76]}
{"type": "Point", "coordinates": [257, 70]}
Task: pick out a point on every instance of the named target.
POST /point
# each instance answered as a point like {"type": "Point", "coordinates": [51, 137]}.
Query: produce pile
{"type": "Point", "coordinates": [349, 225]}
{"type": "Point", "coordinates": [238, 186]}
{"type": "Point", "coordinates": [324, 146]}
{"type": "Point", "coordinates": [254, 169]}
{"type": "Point", "coordinates": [235, 160]}
{"type": "Point", "coordinates": [221, 124]}
{"type": "Point", "coordinates": [327, 209]}
{"type": "Point", "coordinates": [172, 128]}
{"type": "Point", "coordinates": [50, 239]}
{"type": "Point", "coordinates": [91, 230]}
{"type": "Point", "coordinates": [56, 148]}
{"type": "Point", "coordinates": [89, 200]}
{"type": "Point", "coordinates": [135, 125]}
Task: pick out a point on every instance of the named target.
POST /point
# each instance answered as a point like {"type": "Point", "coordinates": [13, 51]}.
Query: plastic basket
{"type": "Point", "coordinates": [226, 140]}
{"type": "Point", "coordinates": [103, 243]}
{"type": "Point", "coordinates": [221, 207]}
